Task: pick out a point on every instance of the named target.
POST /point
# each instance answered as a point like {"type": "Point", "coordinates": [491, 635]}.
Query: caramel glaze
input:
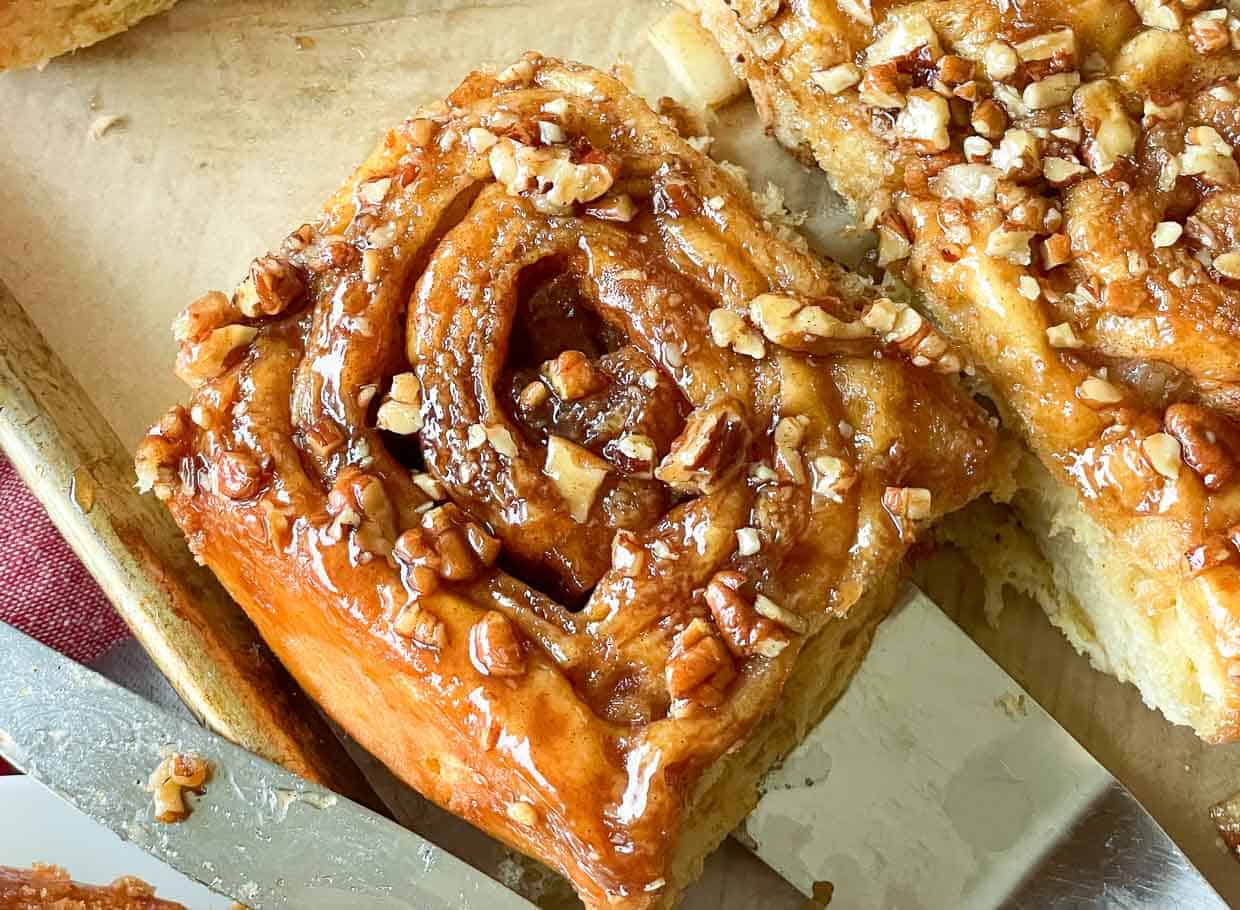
{"type": "Point", "coordinates": [1159, 321]}
{"type": "Point", "coordinates": [574, 735]}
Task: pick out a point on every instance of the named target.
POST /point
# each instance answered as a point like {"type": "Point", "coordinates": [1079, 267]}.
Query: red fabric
{"type": "Point", "coordinates": [44, 590]}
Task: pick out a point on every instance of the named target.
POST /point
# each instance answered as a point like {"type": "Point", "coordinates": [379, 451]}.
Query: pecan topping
{"type": "Point", "coordinates": [533, 396]}
{"type": "Point", "coordinates": [1163, 452]}
{"type": "Point", "coordinates": [699, 669]}
{"type": "Point", "coordinates": [577, 473]}
{"type": "Point", "coordinates": [1208, 32]}
{"type": "Point", "coordinates": [906, 506]}
{"type": "Point", "coordinates": [1111, 133]}
{"type": "Point", "coordinates": [728, 330]}
{"type": "Point", "coordinates": [401, 411]}
{"type": "Point", "coordinates": [880, 87]}
{"type": "Point", "coordinates": [174, 775]}
{"type": "Point", "coordinates": [571, 375]}
{"type": "Point", "coordinates": [548, 175]}
{"type": "Point", "coordinates": [274, 285]}
{"type": "Point", "coordinates": [423, 626]}
{"type": "Point", "coordinates": [159, 456]}
{"type": "Point", "coordinates": [836, 79]}
{"type": "Point", "coordinates": [989, 120]}
{"type": "Point", "coordinates": [463, 548]}
{"type": "Point", "coordinates": [207, 334]}
{"type": "Point", "coordinates": [789, 434]}
{"type": "Point", "coordinates": [777, 614]}
{"type": "Point", "coordinates": [334, 252]}
{"type": "Point", "coordinates": [324, 438]}
{"type": "Point", "coordinates": [419, 561]}
{"type": "Point", "coordinates": [898, 324]}
{"type": "Point", "coordinates": [494, 648]}
{"type": "Point", "coordinates": [636, 454]}
{"type": "Point", "coordinates": [628, 556]}
{"type": "Point", "coordinates": [744, 629]}
{"type": "Point", "coordinates": [1206, 440]}
{"type": "Point", "coordinates": [209, 312]}
{"type": "Point", "coordinates": [238, 475]}
{"type": "Point", "coordinates": [794, 324]}
{"type": "Point", "coordinates": [925, 121]}
{"type": "Point", "coordinates": [1098, 393]}
{"type": "Point", "coordinates": [359, 501]}
{"type": "Point", "coordinates": [895, 242]}
{"type": "Point", "coordinates": [709, 450]}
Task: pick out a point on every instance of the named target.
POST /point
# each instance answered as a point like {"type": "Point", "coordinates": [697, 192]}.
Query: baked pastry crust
{"type": "Point", "coordinates": [608, 375]}
{"type": "Point", "coordinates": [44, 887]}
{"type": "Point", "coordinates": [1060, 179]}
{"type": "Point", "coordinates": [34, 31]}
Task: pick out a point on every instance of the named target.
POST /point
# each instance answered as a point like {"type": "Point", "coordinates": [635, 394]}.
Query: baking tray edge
{"type": "Point", "coordinates": [76, 465]}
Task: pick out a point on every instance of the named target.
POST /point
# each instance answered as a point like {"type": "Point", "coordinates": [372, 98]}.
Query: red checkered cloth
{"type": "Point", "coordinates": [44, 590]}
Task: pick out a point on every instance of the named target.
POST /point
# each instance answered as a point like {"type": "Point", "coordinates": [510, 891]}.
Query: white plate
{"type": "Point", "coordinates": [40, 828]}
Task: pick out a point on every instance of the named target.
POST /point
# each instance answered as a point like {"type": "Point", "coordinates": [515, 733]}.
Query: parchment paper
{"type": "Point", "coordinates": [240, 116]}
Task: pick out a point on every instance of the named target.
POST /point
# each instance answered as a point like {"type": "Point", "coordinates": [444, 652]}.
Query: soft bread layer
{"type": "Point", "coordinates": [730, 790]}
{"type": "Point", "coordinates": [1088, 586]}
{"type": "Point", "coordinates": [33, 33]}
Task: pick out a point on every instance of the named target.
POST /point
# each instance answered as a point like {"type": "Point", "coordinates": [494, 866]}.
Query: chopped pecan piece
{"type": "Point", "coordinates": [177, 773]}
{"type": "Point", "coordinates": [464, 548]}
{"type": "Point", "coordinates": [238, 475]}
{"type": "Point", "coordinates": [401, 410]}
{"type": "Point", "coordinates": [907, 506]}
{"type": "Point", "coordinates": [571, 375]}
{"type": "Point", "coordinates": [628, 556]}
{"type": "Point", "coordinates": [494, 648]}
{"type": "Point", "coordinates": [792, 323]}
{"type": "Point", "coordinates": [1206, 440]}
{"type": "Point", "coordinates": [709, 450]}
{"type": "Point", "coordinates": [577, 473]}
{"type": "Point", "coordinates": [359, 501]}
{"type": "Point", "coordinates": [699, 669]}
{"type": "Point", "coordinates": [419, 561]}
{"type": "Point", "coordinates": [744, 629]}
{"type": "Point", "coordinates": [158, 458]}
{"type": "Point", "coordinates": [729, 330]}
{"type": "Point", "coordinates": [274, 285]}
{"type": "Point", "coordinates": [552, 180]}
{"type": "Point", "coordinates": [1163, 452]}
{"type": "Point", "coordinates": [207, 334]}
{"type": "Point", "coordinates": [422, 625]}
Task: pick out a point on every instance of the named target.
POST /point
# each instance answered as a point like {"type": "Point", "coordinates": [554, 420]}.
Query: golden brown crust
{"type": "Point", "coordinates": [31, 33]}
{"type": "Point", "coordinates": [1061, 178]}
{"type": "Point", "coordinates": [577, 333]}
{"type": "Point", "coordinates": [46, 887]}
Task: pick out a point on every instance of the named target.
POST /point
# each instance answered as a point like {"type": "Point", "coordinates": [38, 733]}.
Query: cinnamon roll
{"type": "Point", "coordinates": [544, 465]}
{"type": "Point", "coordinates": [1060, 179]}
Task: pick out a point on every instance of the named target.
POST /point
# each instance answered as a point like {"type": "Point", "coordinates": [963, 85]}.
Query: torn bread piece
{"type": "Point", "coordinates": [32, 33]}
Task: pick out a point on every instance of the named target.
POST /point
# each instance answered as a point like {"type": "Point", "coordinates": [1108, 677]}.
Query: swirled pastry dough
{"type": "Point", "coordinates": [539, 460]}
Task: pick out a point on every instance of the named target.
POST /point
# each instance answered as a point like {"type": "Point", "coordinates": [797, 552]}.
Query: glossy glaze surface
{"type": "Point", "coordinates": [497, 460]}
{"type": "Point", "coordinates": [1061, 179]}
{"type": "Point", "coordinates": [50, 886]}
